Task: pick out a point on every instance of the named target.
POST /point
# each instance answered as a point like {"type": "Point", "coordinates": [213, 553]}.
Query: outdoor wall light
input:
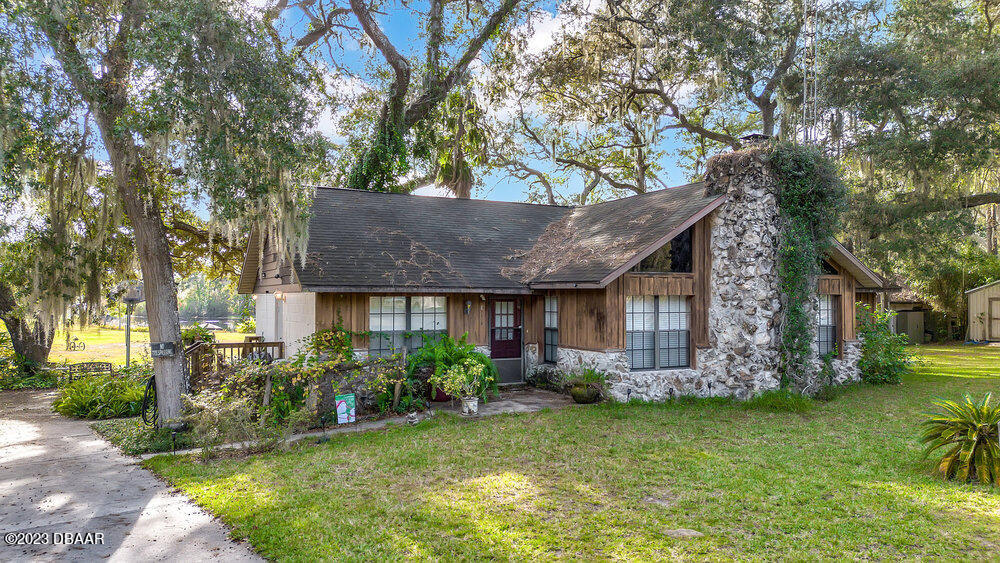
{"type": "Point", "coordinates": [468, 306]}
{"type": "Point", "coordinates": [279, 295]}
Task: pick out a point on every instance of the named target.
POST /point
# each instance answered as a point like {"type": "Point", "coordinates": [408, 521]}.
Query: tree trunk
{"type": "Point", "coordinates": [108, 100]}
{"type": "Point", "coordinates": [152, 247]}
{"type": "Point", "coordinates": [29, 340]}
{"type": "Point", "coordinates": [991, 230]}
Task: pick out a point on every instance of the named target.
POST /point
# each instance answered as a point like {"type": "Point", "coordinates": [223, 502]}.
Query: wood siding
{"type": "Point", "coordinates": [276, 273]}
{"type": "Point", "coordinates": [829, 285]}
{"type": "Point", "coordinates": [701, 264]}
{"type": "Point", "coordinates": [583, 319]}
{"type": "Point", "coordinates": [658, 284]}
{"type": "Point", "coordinates": [352, 309]}
{"type": "Point", "coordinates": [979, 304]}
{"type": "Point", "coordinates": [474, 323]}
{"type": "Point", "coordinates": [533, 319]}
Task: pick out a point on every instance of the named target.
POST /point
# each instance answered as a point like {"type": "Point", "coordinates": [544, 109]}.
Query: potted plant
{"type": "Point", "coordinates": [470, 380]}
{"type": "Point", "coordinates": [587, 386]}
{"type": "Point", "coordinates": [432, 360]}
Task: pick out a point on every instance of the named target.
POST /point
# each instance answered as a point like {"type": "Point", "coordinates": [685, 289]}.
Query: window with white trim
{"type": "Point", "coordinates": [826, 325]}
{"type": "Point", "coordinates": [395, 322]}
{"type": "Point", "coordinates": [428, 319]}
{"type": "Point", "coordinates": [551, 352]}
{"type": "Point", "coordinates": [657, 331]}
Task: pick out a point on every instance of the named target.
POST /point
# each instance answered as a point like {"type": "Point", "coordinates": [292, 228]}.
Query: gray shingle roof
{"type": "Point", "coordinates": [377, 241]}
{"type": "Point", "coordinates": [369, 239]}
{"type": "Point", "coordinates": [591, 242]}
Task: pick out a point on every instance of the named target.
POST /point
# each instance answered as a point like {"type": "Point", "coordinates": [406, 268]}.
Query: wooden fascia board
{"type": "Point", "coordinates": [651, 248]}
{"type": "Point", "coordinates": [854, 266]}
{"type": "Point", "coordinates": [250, 266]}
{"type": "Point", "coordinates": [567, 285]}
{"type": "Point", "coordinates": [381, 289]}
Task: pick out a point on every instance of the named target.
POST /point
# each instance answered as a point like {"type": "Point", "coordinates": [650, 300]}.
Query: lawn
{"type": "Point", "coordinates": [108, 345]}
{"type": "Point", "coordinates": [844, 480]}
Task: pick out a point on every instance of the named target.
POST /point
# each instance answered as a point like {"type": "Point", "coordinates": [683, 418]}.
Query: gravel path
{"type": "Point", "coordinates": [60, 482]}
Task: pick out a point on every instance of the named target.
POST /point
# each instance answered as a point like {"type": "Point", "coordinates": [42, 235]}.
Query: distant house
{"type": "Point", "coordinates": [984, 312]}
{"type": "Point", "coordinates": [670, 292]}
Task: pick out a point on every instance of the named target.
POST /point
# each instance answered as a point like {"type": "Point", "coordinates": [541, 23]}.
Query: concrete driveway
{"type": "Point", "coordinates": [60, 482]}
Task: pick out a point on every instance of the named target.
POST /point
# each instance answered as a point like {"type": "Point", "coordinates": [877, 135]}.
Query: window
{"type": "Point", "coordinates": [826, 325]}
{"type": "Point", "coordinates": [672, 323]}
{"type": "Point", "coordinates": [387, 323]}
{"type": "Point", "coordinates": [673, 257]}
{"type": "Point", "coordinates": [657, 331]}
{"type": "Point", "coordinates": [551, 354]}
{"type": "Point", "coordinates": [503, 320]}
{"type": "Point", "coordinates": [397, 322]}
{"type": "Point", "coordinates": [428, 320]}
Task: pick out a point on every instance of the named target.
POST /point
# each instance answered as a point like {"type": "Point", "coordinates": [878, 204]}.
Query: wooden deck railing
{"type": "Point", "coordinates": [204, 361]}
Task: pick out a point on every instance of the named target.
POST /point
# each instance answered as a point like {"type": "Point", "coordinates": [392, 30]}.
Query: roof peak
{"type": "Point", "coordinates": [354, 190]}
{"type": "Point", "coordinates": [633, 196]}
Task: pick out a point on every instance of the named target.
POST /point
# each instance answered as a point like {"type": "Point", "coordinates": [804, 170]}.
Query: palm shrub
{"type": "Point", "coordinates": [968, 433]}
{"type": "Point", "coordinates": [884, 356]}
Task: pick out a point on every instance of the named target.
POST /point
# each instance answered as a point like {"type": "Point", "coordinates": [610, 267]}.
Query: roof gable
{"type": "Point", "coordinates": [594, 244]}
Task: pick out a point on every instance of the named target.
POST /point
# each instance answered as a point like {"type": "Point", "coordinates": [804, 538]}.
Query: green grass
{"type": "Point", "coordinates": [108, 345]}
{"type": "Point", "coordinates": [843, 480]}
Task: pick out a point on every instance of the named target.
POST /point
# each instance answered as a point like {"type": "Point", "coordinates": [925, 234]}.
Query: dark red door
{"type": "Point", "coordinates": [505, 338]}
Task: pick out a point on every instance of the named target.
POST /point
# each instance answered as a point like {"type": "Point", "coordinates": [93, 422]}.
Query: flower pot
{"type": "Point", "coordinates": [437, 395]}
{"type": "Point", "coordinates": [470, 406]}
{"type": "Point", "coordinates": [585, 394]}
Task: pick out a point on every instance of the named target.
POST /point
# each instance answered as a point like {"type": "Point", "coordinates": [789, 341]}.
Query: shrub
{"type": "Point", "coordinates": [133, 437]}
{"type": "Point", "coordinates": [884, 356]}
{"type": "Point", "coordinates": [18, 372]}
{"type": "Point", "coordinates": [546, 376]}
{"type": "Point", "coordinates": [215, 419]}
{"type": "Point", "coordinates": [197, 333]}
{"type": "Point", "coordinates": [779, 400]}
{"type": "Point", "coordinates": [441, 355]}
{"type": "Point", "coordinates": [246, 325]}
{"type": "Point", "coordinates": [968, 432]}
{"type": "Point", "coordinates": [467, 378]}
{"type": "Point", "coordinates": [101, 396]}
{"type": "Point", "coordinates": [589, 377]}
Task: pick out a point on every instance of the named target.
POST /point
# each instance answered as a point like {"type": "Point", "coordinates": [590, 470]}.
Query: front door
{"type": "Point", "coordinates": [994, 317]}
{"type": "Point", "coordinates": [505, 338]}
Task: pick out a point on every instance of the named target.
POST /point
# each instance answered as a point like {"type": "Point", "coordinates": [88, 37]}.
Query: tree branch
{"type": "Point", "coordinates": [400, 65]}
{"type": "Point", "coordinates": [436, 90]}
{"type": "Point", "coordinates": [908, 208]}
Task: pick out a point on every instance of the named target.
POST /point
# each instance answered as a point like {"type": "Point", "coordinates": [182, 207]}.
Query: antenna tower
{"type": "Point", "coordinates": [810, 72]}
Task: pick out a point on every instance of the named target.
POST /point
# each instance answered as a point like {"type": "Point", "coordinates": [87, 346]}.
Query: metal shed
{"type": "Point", "coordinates": [984, 312]}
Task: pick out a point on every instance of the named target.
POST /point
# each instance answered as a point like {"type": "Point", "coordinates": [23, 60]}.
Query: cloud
{"type": "Point", "coordinates": [434, 190]}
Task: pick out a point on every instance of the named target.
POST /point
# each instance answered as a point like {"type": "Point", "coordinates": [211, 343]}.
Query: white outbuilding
{"type": "Point", "coordinates": [984, 312]}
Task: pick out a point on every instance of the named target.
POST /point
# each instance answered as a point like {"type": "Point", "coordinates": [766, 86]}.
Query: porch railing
{"type": "Point", "coordinates": [204, 362]}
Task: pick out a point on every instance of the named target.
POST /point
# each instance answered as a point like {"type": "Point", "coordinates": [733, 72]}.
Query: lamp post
{"type": "Point", "coordinates": [133, 296]}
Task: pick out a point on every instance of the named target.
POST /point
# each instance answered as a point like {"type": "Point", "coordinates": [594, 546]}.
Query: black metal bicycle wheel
{"type": "Point", "coordinates": [149, 411]}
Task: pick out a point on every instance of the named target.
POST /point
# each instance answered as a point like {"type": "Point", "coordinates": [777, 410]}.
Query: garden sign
{"type": "Point", "coordinates": [345, 408]}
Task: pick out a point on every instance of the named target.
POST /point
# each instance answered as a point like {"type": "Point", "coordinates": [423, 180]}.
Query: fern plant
{"type": "Point", "coordinates": [968, 433]}
{"type": "Point", "coordinates": [440, 355]}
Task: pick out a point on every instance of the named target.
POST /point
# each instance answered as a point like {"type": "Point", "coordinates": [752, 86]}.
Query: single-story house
{"type": "Point", "coordinates": [670, 292]}
{"type": "Point", "coordinates": [984, 312]}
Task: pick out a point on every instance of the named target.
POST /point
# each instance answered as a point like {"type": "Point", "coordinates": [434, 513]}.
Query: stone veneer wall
{"type": "Point", "coordinates": [746, 308]}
